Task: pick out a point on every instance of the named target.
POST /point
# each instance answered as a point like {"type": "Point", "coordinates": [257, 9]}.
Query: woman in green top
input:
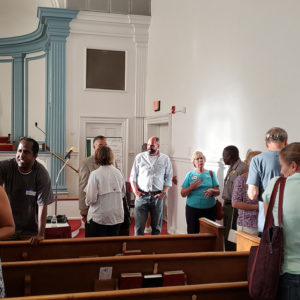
{"type": "Point", "coordinates": [199, 186]}
{"type": "Point", "coordinates": [289, 286]}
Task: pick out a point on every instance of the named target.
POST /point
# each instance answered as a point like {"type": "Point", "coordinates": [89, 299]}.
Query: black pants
{"type": "Point", "coordinates": [228, 211]}
{"type": "Point", "coordinates": [99, 230]}
{"type": "Point", "coordinates": [193, 214]}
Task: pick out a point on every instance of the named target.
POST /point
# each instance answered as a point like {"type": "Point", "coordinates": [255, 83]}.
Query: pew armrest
{"type": "Point", "coordinates": [244, 241]}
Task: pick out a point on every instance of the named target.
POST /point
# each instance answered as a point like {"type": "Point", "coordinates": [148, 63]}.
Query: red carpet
{"type": "Point", "coordinates": [75, 224]}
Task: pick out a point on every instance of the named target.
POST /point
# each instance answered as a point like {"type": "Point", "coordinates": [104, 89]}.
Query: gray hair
{"type": "Point", "coordinates": [276, 135]}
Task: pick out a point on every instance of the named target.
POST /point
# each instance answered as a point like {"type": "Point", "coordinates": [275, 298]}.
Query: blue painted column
{"type": "Point", "coordinates": [57, 21]}
{"type": "Point", "coordinates": [17, 129]}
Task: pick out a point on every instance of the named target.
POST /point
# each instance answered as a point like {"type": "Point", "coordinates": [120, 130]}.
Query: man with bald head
{"type": "Point", "coordinates": [150, 178]}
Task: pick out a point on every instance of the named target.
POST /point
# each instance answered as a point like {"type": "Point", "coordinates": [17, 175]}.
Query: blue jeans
{"type": "Point", "coordinates": [141, 208]}
{"type": "Point", "coordinates": [289, 287]}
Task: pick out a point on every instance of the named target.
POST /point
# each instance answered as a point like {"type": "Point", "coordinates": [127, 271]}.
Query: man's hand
{"type": "Point", "coordinates": [138, 194]}
{"type": "Point", "coordinates": [35, 240]}
{"type": "Point", "coordinates": [160, 195]}
{"type": "Point", "coordinates": [174, 180]}
{"type": "Point", "coordinates": [84, 214]}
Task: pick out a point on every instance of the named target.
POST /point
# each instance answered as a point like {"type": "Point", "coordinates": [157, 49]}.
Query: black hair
{"type": "Point", "coordinates": [35, 145]}
{"type": "Point", "coordinates": [232, 152]}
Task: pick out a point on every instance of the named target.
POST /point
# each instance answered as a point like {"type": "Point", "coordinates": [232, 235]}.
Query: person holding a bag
{"type": "Point", "coordinates": [200, 186]}
{"type": "Point", "coordinates": [289, 283]}
{"type": "Point", "coordinates": [247, 209]}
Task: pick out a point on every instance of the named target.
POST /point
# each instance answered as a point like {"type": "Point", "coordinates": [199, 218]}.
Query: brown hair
{"type": "Point", "coordinates": [276, 135]}
{"type": "Point", "coordinates": [291, 153]}
{"type": "Point", "coordinates": [250, 155]}
{"type": "Point", "coordinates": [104, 156]}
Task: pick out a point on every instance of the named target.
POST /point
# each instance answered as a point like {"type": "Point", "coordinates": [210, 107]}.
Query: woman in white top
{"type": "Point", "coordinates": [104, 193]}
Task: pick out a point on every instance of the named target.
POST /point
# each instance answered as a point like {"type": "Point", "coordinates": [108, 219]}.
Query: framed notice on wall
{"type": "Point", "coordinates": [115, 143]}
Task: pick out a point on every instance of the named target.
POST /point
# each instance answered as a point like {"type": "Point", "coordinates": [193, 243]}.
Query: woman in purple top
{"type": "Point", "coordinates": [247, 209]}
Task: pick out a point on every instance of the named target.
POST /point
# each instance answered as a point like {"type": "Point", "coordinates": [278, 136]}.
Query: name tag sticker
{"type": "Point", "coordinates": [194, 177]}
{"type": "Point", "coordinates": [30, 193]}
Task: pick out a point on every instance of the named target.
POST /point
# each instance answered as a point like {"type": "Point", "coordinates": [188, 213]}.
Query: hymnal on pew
{"type": "Point", "coordinates": [131, 281]}
{"type": "Point", "coordinates": [153, 280]}
{"type": "Point", "coordinates": [174, 278]}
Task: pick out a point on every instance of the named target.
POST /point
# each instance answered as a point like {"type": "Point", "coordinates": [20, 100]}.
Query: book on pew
{"type": "Point", "coordinates": [152, 280]}
{"type": "Point", "coordinates": [132, 252]}
{"type": "Point", "coordinates": [173, 278]}
{"type": "Point", "coordinates": [131, 281]}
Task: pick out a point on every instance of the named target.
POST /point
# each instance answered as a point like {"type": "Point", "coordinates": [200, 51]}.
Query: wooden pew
{"type": "Point", "coordinates": [42, 277]}
{"type": "Point", "coordinates": [211, 291]}
{"type": "Point", "coordinates": [210, 240]}
{"type": "Point", "coordinates": [244, 241]}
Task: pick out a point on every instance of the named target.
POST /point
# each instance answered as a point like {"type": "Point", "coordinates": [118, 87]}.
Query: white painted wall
{"type": "Point", "coordinates": [234, 65]}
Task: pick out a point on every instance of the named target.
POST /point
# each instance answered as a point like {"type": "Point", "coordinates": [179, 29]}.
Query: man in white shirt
{"type": "Point", "coordinates": [150, 178]}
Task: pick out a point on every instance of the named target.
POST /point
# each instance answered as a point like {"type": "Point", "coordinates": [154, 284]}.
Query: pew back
{"type": "Point", "coordinates": [211, 239]}
{"type": "Point", "coordinates": [79, 275]}
{"type": "Point", "coordinates": [224, 291]}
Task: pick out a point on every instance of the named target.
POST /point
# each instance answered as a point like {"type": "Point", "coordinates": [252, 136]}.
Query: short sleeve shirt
{"type": "Point", "coordinates": [290, 221]}
{"type": "Point", "coordinates": [26, 193]}
{"type": "Point", "coordinates": [196, 197]}
{"type": "Point", "coordinates": [233, 172]}
{"type": "Point", "coordinates": [263, 168]}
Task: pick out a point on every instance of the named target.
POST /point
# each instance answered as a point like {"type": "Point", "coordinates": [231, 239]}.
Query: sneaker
{"type": "Point", "coordinates": [148, 230]}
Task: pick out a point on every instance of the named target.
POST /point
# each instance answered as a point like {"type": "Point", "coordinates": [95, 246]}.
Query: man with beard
{"type": "Point", "coordinates": [150, 178]}
{"type": "Point", "coordinates": [28, 186]}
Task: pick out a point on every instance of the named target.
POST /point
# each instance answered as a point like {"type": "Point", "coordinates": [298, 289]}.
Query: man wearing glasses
{"type": "Point", "coordinates": [150, 178]}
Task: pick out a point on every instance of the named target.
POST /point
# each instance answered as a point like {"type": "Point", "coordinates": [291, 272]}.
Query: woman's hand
{"type": "Point", "coordinates": [195, 184]}
{"type": "Point", "coordinates": [208, 193]}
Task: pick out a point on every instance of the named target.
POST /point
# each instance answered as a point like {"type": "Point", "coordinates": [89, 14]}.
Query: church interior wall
{"type": "Point", "coordinates": [233, 65]}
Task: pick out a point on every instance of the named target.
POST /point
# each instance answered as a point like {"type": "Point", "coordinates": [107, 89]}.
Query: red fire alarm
{"type": "Point", "coordinates": [156, 105]}
{"type": "Point", "coordinates": [173, 109]}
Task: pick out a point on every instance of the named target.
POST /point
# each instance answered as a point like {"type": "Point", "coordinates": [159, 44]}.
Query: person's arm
{"type": "Point", "coordinates": [42, 217]}
{"type": "Point", "coordinates": [44, 198]}
{"type": "Point", "coordinates": [244, 206]}
{"type": "Point", "coordinates": [252, 192]}
{"type": "Point", "coordinates": [91, 190]}
{"type": "Point", "coordinates": [253, 179]}
{"type": "Point", "coordinates": [214, 191]}
{"type": "Point", "coordinates": [186, 191]}
{"type": "Point", "coordinates": [84, 174]}
{"type": "Point", "coordinates": [7, 225]}
{"type": "Point", "coordinates": [133, 178]}
{"type": "Point", "coordinates": [266, 205]}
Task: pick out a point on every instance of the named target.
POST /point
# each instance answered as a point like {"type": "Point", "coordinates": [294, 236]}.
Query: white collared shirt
{"type": "Point", "coordinates": [151, 173]}
{"type": "Point", "coordinates": [104, 193]}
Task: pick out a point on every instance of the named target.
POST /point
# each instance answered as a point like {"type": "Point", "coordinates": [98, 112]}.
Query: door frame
{"type": "Point", "coordinates": [159, 120]}
{"type": "Point", "coordinates": [123, 122]}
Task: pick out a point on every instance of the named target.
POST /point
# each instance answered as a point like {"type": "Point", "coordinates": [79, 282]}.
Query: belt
{"type": "Point", "coordinates": [150, 193]}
